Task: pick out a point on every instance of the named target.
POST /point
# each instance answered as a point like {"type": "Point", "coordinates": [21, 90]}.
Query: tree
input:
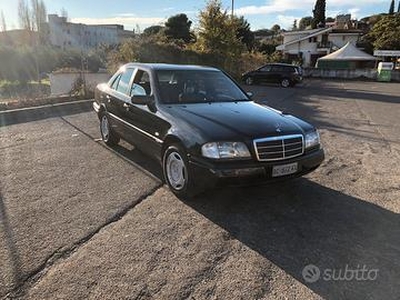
{"type": "Point", "coordinates": [217, 37]}
{"type": "Point", "coordinates": [3, 24]}
{"type": "Point", "coordinates": [294, 27]}
{"type": "Point", "coordinates": [178, 28]}
{"type": "Point", "coordinates": [398, 8]}
{"type": "Point", "coordinates": [24, 15]}
{"type": "Point", "coordinates": [391, 9]}
{"type": "Point", "coordinates": [305, 22]}
{"type": "Point", "coordinates": [244, 33]}
{"type": "Point", "coordinates": [319, 14]}
{"type": "Point", "coordinates": [217, 33]}
{"type": "Point", "coordinates": [38, 14]}
{"type": "Point", "coordinates": [276, 28]}
{"type": "Point", "coordinates": [385, 33]}
{"type": "Point", "coordinates": [153, 30]}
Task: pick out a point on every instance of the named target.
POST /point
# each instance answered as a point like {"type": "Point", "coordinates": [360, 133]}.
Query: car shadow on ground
{"type": "Point", "coordinates": [351, 245]}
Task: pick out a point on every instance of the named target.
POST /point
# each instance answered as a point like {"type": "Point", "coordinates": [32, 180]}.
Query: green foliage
{"type": "Point", "coordinates": [319, 13]}
{"type": "Point", "coordinates": [223, 41]}
{"type": "Point", "coordinates": [294, 27]}
{"type": "Point", "coordinates": [385, 33]}
{"type": "Point", "coordinates": [244, 33]}
{"type": "Point", "coordinates": [305, 22]}
{"type": "Point", "coordinates": [276, 29]}
{"type": "Point", "coordinates": [26, 63]}
{"type": "Point", "coordinates": [153, 30]}
{"type": "Point", "coordinates": [178, 28]}
{"type": "Point", "coordinates": [217, 36]}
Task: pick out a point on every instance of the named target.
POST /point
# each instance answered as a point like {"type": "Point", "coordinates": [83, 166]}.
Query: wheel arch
{"type": "Point", "coordinates": [102, 110]}
{"type": "Point", "coordinates": [169, 140]}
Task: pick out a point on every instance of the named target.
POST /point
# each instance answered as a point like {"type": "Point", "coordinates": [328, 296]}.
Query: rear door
{"type": "Point", "coordinates": [117, 99]}
{"type": "Point", "coordinates": [277, 73]}
{"type": "Point", "coordinates": [264, 74]}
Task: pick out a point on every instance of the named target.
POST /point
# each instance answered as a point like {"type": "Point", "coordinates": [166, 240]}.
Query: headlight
{"type": "Point", "coordinates": [312, 139]}
{"type": "Point", "coordinates": [218, 150]}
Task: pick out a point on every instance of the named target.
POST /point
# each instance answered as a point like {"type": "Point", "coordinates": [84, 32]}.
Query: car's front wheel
{"type": "Point", "coordinates": [107, 133]}
{"type": "Point", "coordinates": [249, 80]}
{"type": "Point", "coordinates": [177, 173]}
{"type": "Point", "coordinates": [285, 82]}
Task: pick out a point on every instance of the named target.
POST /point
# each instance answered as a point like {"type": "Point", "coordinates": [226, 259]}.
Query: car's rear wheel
{"type": "Point", "coordinates": [285, 82]}
{"type": "Point", "coordinates": [177, 172]}
{"type": "Point", "coordinates": [107, 133]}
{"type": "Point", "coordinates": [249, 80]}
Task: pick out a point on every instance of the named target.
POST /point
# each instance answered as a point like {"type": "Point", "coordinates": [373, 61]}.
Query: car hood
{"type": "Point", "coordinates": [233, 120]}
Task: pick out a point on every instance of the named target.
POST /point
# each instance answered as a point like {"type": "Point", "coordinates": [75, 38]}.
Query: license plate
{"type": "Point", "coordinates": [283, 170]}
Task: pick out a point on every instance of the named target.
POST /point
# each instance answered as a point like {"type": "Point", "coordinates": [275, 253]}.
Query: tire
{"type": "Point", "coordinates": [107, 133]}
{"type": "Point", "coordinates": [249, 80]}
{"type": "Point", "coordinates": [177, 172]}
{"type": "Point", "coordinates": [285, 82]}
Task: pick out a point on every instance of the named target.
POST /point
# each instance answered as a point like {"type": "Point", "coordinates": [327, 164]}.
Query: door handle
{"type": "Point", "coordinates": [126, 105]}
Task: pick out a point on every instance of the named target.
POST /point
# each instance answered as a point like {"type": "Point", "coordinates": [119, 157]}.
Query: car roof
{"type": "Point", "coordinates": [164, 66]}
{"type": "Point", "coordinates": [281, 64]}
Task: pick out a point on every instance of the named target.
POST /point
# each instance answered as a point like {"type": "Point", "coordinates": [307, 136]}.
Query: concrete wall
{"type": "Point", "coordinates": [62, 83]}
{"type": "Point", "coordinates": [347, 74]}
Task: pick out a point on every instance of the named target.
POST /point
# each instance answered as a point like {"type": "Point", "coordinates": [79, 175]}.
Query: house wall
{"type": "Point", "coordinates": [309, 48]}
{"type": "Point", "coordinates": [339, 40]}
{"type": "Point", "coordinates": [66, 35]}
{"type": "Point", "coordinates": [62, 83]}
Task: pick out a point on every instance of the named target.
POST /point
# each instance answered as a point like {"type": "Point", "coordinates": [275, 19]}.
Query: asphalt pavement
{"type": "Point", "coordinates": [80, 220]}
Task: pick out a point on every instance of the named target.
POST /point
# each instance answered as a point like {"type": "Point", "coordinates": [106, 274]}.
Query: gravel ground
{"type": "Point", "coordinates": [232, 243]}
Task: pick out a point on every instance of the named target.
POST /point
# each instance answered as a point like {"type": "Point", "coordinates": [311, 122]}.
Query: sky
{"type": "Point", "coordinates": [144, 13]}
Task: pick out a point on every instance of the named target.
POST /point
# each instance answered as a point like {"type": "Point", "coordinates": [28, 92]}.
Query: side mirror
{"type": "Point", "coordinates": [142, 99]}
{"type": "Point", "coordinates": [250, 94]}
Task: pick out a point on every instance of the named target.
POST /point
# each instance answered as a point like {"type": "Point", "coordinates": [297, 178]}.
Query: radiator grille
{"type": "Point", "coordinates": [279, 148]}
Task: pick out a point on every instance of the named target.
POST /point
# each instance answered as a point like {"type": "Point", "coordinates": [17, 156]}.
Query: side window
{"type": "Point", "coordinates": [123, 85]}
{"type": "Point", "coordinates": [114, 85]}
{"type": "Point", "coordinates": [266, 69]}
{"type": "Point", "coordinates": [277, 69]}
{"type": "Point", "coordinates": [289, 69]}
{"type": "Point", "coordinates": [141, 84]}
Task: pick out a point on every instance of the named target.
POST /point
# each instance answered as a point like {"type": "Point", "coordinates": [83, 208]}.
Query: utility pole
{"type": "Point", "coordinates": [233, 9]}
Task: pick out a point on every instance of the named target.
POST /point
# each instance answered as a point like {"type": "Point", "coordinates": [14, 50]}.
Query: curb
{"type": "Point", "coordinates": [36, 113]}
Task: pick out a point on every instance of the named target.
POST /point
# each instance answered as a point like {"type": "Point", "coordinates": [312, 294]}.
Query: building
{"type": "Point", "coordinates": [67, 35]}
{"type": "Point", "coordinates": [308, 45]}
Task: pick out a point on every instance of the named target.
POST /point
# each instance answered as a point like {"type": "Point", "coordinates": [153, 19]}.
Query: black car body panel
{"type": "Point", "coordinates": [274, 73]}
{"type": "Point", "coordinates": [151, 124]}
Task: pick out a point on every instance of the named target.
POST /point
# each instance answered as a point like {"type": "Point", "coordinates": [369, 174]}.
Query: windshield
{"type": "Point", "coordinates": [197, 86]}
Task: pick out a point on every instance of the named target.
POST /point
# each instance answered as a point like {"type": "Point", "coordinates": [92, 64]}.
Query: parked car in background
{"type": "Point", "coordinates": [285, 74]}
{"type": "Point", "coordinates": [202, 127]}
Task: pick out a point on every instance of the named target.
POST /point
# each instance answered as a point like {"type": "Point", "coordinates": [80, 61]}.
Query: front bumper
{"type": "Point", "coordinates": [251, 172]}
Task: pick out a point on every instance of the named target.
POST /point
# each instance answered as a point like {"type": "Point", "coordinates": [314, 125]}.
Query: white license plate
{"type": "Point", "coordinates": [283, 170]}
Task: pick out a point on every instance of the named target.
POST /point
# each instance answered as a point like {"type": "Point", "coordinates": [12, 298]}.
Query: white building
{"type": "Point", "coordinates": [309, 45]}
{"type": "Point", "coordinates": [66, 35]}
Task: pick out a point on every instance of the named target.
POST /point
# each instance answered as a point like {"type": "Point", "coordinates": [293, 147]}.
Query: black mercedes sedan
{"type": "Point", "coordinates": [202, 127]}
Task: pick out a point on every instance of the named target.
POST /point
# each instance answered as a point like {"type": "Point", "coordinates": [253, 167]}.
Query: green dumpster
{"type": "Point", "coordinates": [385, 71]}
